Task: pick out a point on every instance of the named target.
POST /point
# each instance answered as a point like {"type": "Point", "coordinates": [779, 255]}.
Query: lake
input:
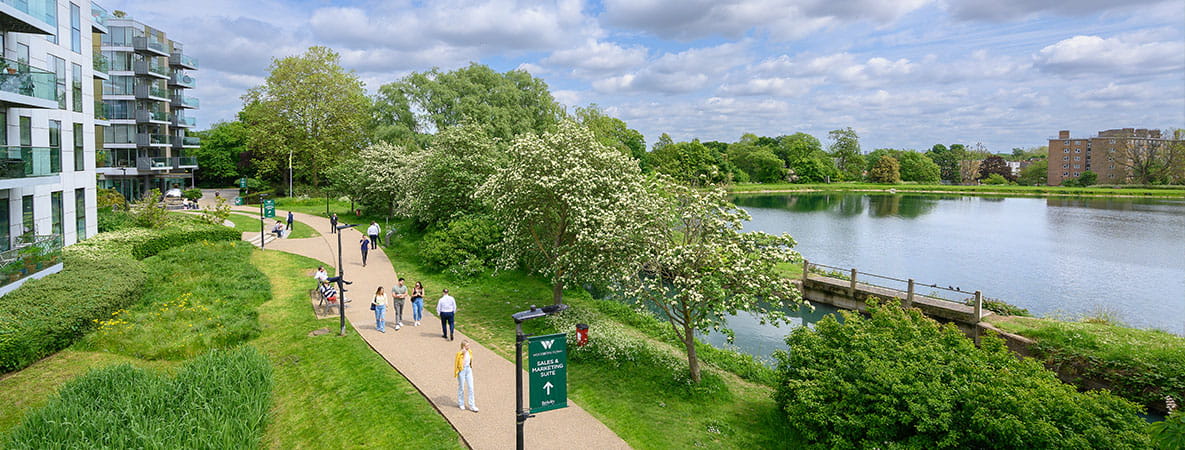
{"type": "Point", "coordinates": [1062, 257]}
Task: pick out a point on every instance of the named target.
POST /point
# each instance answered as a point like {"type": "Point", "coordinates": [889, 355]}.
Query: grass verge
{"type": "Point", "coordinates": [247, 223]}
{"type": "Point", "coordinates": [1134, 191]}
{"type": "Point", "coordinates": [649, 406]}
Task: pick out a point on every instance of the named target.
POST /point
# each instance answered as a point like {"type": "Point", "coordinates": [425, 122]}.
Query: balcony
{"type": "Point", "coordinates": [183, 60]}
{"type": "Point", "coordinates": [159, 163]}
{"type": "Point", "coordinates": [149, 69]}
{"type": "Point", "coordinates": [99, 16]}
{"type": "Point", "coordinates": [181, 121]}
{"type": "Point", "coordinates": [26, 86]}
{"type": "Point", "coordinates": [187, 141]}
{"type": "Point", "coordinates": [102, 111]}
{"type": "Point", "coordinates": [153, 140]}
{"type": "Point", "coordinates": [29, 16]}
{"type": "Point", "coordinates": [101, 65]}
{"type": "Point", "coordinates": [145, 116]}
{"type": "Point", "coordinates": [185, 162]}
{"type": "Point", "coordinates": [30, 257]}
{"type": "Point", "coordinates": [29, 162]}
{"type": "Point", "coordinates": [182, 80]}
{"type": "Point", "coordinates": [148, 45]}
{"type": "Point", "coordinates": [184, 101]}
{"type": "Point", "coordinates": [151, 92]}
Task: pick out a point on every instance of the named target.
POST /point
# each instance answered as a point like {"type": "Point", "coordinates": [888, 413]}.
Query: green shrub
{"type": "Point", "coordinates": [900, 379]}
{"type": "Point", "coordinates": [111, 198]}
{"type": "Point", "coordinates": [47, 315]}
{"type": "Point", "coordinates": [112, 219]}
{"type": "Point", "coordinates": [218, 400]}
{"type": "Point", "coordinates": [177, 238]}
{"type": "Point", "coordinates": [1000, 307]}
{"type": "Point", "coordinates": [149, 212]}
{"type": "Point", "coordinates": [192, 194]}
{"type": "Point", "coordinates": [1170, 433]}
{"type": "Point", "coordinates": [995, 179]}
{"type": "Point", "coordinates": [465, 247]}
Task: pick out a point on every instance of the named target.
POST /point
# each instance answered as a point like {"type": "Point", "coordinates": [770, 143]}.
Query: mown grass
{"type": "Point", "coordinates": [217, 400]}
{"type": "Point", "coordinates": [248, 224]}
{"type": "Point", "coordinates": [318, 380]}
{"type": "Point", "coordinates": [1159, 191]}
{"type": "Point", "coordinates": [639, 402]}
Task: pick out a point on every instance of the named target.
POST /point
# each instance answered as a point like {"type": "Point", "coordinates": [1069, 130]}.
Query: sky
{"type": "Point", "coordinates": [902, 73]}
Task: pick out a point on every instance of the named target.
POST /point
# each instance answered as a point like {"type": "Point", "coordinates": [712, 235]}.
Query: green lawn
{"type": "Point", "coordinates": [637, 401]}
{"type": "Point", "coordinates": [250, 223]}
{"type": "Point", "coordinates": [220, 295]}
{"type": "Point", "coordinates": [1157, 191]}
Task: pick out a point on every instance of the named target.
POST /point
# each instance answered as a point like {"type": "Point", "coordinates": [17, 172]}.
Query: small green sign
{"type": "Point", "coordinates": [243, 183]}
{"type": "Point", "coordinates": [547, 368]}
{"type": "Point", "coordinates": [269, 208]}
{"type": "Point", "coordinates": [238, 201]}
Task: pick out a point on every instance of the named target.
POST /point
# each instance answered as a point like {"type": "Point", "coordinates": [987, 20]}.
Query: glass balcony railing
{"type": "Point", "coordinates": [184, 121]}
{"type": "Point", "coordinates": [99, 14]}
{"type": "Point", "coordinates": [181, 59]}
{"type": "Point", "coordinates": [154, 139]}
{"type": "Point", "coordinates": [153, 163]}
{"type": "Point", "coordinates": [188, 140]}
{"type": "Point", "coordinates": [29, 254]}
{"type": "Point", "coordinates": [42, 10]}
{"type": "Point", "coordinates": [185, 161]}
{"type": "Point", "coordinates": [148, 43]}
{"type": "Point", "coordinates": [184, 101]}
{"type": "Point", "coordinates": [146, 116]}
{"type": "Point", "coordinates": [101, 63]}
{"type": "Point", "coordinates": [28, 162]}
{"type": "Point", "coordinates": [20, 78]}
{"type": "Point", "coordinates": [183, 79]}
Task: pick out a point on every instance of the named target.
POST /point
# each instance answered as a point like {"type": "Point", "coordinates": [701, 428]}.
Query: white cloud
{"type": "Point", "coordinates": [779, 87]}
{"type": "Point", "coordinates": [1001, 10]}
{"type": "Point", "coordinates": [681, 72]}
{"type": "Point", "coordinates": [1118, 55]}
{"type": "Point", "coordinates": [598, 57]}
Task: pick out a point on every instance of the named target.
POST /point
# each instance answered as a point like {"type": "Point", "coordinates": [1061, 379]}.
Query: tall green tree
{"type": "Point", "coordinates": [309, 111]}
{"type": "Point", "coordinates": [509, 103]}
{"type": "Point", "coordinates": [612, 132]}
{"type": "Point", "coordinates": [699, 267]}
{"type": "Point", "coordinates": [218, 156]}
{"type": "Point", "coordinates": [1036, 174]}
{"type": "Point", "coordinates": [796, 147]}
{"type": "Point", "coordinates": [663, 141]}
{"type": "Point", "coordinates": [948, 160]}
{"type": "Point", "coordinates": [845, 149]}
{"type": "Point", "coordinates": [916, 167]}
{"type": "Point", "coordinates": [756, 157]}
{"type": "Point", "coordinates": [886, 170]}
{"type": "Point", "coordinates": [572, 208]}
{"type": "Point", "coordinates": [688, 162]}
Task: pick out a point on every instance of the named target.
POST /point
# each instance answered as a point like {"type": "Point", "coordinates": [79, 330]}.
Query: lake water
{"type": "Point", "coordinates": [1066, 257]}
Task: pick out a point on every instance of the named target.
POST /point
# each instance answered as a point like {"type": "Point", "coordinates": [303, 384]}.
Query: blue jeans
{"type": "Point", "coordinates": [417, 308]}
{"type": "Point", "coordinates": [379, 320]}
{"type": "Point", "coordinates": [446, 323]}
{"type": "Point", "coordinates": [465, 378]}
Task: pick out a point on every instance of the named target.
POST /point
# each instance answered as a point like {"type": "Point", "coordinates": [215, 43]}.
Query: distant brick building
{"type": "Point", "coordinates": [1070, 157]}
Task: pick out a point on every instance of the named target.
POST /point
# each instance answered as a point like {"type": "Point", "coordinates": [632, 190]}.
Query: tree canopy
{"type": "Point", "coordinates": [845, 149]}
{"type": "Point", "coordinates": [219, 154]}
{"type": "Point", "coordinates": [612, 132]}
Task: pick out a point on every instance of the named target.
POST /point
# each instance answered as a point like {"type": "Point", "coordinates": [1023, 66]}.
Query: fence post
{"type": "Point", "coordinates": [978, 306]}
{"type": "Point", "coordinates": [909, 295]}
{"type": "Point", "coordinates": [852, 289]}
{"type": "Point", "coordinates": [806, 270]}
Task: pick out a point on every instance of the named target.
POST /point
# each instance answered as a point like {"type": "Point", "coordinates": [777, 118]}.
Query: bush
{"type": "Point", "coordinates": [995, 179]}
{"type": "Point", "coordinates": [110, 198]}
{"type": "Point", "coordinates": [218, 400]}
{"type": "Point", "coordinates": [149, 212]}
{"type": "Point", "coordinates": [1000, 307]}
{"type": "Point", "coordinates": [1170, 433]}
{"type": "Point", "coordinates": [192, 194]}
{"type": "Point", "coordinates": [112, 219]}
{"type": "Point", "coordinates": [899, 379]}
{"type": "Point", "coordinates": [465, 247]}
{"type": "Point", "coordinates": [177, 238]}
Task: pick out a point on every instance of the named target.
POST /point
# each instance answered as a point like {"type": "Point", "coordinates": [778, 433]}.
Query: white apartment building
{"type": "Point", "coordinates": [47, 106]}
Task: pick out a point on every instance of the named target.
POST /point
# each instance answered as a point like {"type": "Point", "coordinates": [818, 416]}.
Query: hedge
{"type": "Point", "coordinates": [100, 276]}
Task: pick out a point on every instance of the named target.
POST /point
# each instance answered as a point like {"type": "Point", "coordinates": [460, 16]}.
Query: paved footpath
{"type": "Point", "coordinates": [426, 359]}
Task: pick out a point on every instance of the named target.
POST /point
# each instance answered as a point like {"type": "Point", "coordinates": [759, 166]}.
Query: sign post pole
{"type": "Point", "coordinates": [262, 236]}
{"type": "Point", "coordinates": [522, 414]}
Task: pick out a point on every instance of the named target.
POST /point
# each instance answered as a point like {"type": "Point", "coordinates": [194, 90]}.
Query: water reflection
{"type": "Point", "coordinates": [846, 204]}
{"type": "Point", "coordinates": [762, 340]}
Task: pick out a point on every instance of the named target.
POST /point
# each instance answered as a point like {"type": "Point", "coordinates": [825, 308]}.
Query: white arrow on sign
{"type": "Point", "coordinates": [547, 387]}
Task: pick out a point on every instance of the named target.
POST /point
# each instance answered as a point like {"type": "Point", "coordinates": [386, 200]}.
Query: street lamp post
{"type": "Point", "coordinates": [522, 414]}
{"type": "Point", "coordinates": [289, 172]}
{"type": "Point", "coordinates": [341, 273]}
{"type": "Point", "coordinates": [262, 237]}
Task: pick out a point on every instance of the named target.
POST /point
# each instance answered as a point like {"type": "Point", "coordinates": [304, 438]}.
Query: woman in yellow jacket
{"type": "Point", "coordinates": [463, 372]}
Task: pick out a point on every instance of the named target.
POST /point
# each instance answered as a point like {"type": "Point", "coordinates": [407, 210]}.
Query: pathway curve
{"type": "Point", "coordinates": [426, 359]}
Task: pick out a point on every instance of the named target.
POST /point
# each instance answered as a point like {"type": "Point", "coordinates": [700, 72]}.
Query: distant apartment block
{"type": "Point", "coordinates": [1101, 154]}
{"type": "Point", "coordinates": [146, 108]}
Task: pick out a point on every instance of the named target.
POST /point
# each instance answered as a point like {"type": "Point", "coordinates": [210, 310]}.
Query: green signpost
{"type": "Point", "coordinates": [242, 183]}
{"type": "Point", "coordinates": [547, 367]}
{"type": "Point", "coordinates": [269, 208]}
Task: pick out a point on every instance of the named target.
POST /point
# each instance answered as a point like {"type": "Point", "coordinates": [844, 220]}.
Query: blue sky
{"type": "Point", "coordinates": [903, 74]}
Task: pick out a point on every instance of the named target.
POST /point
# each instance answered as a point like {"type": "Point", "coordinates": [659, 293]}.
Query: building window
{"type": "Point", "coordinates": [1077, 150]}
{"type": "Point", "coordinates": [76, 84]}
{"type": "Point", "coordinates": [1077, 166]}
{"type": "Point", "coordinates": [1065, 158]}
{"type": "Point", "coordinates": [1111, 176]}
{"type": "Point", "coordinates": [75, 28]}
{"type": "Point", "coordinates": [55, 199]}
{"type": "Point", "coordinates": [79, 154]}
{"type": "Point", "coordinates": [1065, 166]}
{"type": "Point", "coordinates": [27, 213]}
{"type": "Point", "coordinates": [51, 17]}
{"type": "Point", "coordinates": [1065, 174]}
{"type": "Point", "coordinates": [1066, 150]}
{"type": "Point", "coordinates": [1077, 174]}
{"type": "Point", "coordinates": [1077, 158]}
{"type": "Point", "coordinates": [1112, 166]}
{"type": "Point", "coordinates": [3, 126]}
{"type": "Point", "coordinates": [80, 212]}
{"type": "Point", "coordinates": [59, 69]}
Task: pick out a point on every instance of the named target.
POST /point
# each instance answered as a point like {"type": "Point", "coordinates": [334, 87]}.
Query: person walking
{"type": "Point", "coordinates": [373, 232]}
{"type": "Point", "coordinates": [379, 305]}
{"type": "Point", "coordinates": [365, 249]}
{"type": "Point", "coordinates": [417, 303]}
{"type": "Point", "coordinates": [291, 219]}
{"type": "Point", "coordinates": [463, 372]}
{"type": "Point", "coordinates": [398, 295]}
{"type": "Point", "coordinates": [333, 223]}
{"type": "Point", "coordinates": [446, 309]}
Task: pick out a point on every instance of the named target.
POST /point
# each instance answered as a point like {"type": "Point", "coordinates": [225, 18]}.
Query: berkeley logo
{"type": "Point", "coordinates": [547, 344]}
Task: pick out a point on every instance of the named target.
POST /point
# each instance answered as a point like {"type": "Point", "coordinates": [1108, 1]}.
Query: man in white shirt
{"type": "Point", "coordinates": [446, 308]}
{"type": "Point", "coordinates": [373, 232]}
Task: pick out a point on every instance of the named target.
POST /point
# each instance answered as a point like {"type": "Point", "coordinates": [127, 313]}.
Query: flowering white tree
{"type": "Point", "coordinates": [376, 175]}
{"type": "Point", "coordinates": [440, 181]}
{"type": "Point", "coordinates": [702, 268]}
{"type": "Point", "coordinates": [574, 209]}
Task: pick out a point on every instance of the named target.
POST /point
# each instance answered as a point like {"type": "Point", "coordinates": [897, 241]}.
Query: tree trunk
{"type": "Point", "coordinates": [557, 292]}
{"type": "Point", "coordinates": [692, 360]}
